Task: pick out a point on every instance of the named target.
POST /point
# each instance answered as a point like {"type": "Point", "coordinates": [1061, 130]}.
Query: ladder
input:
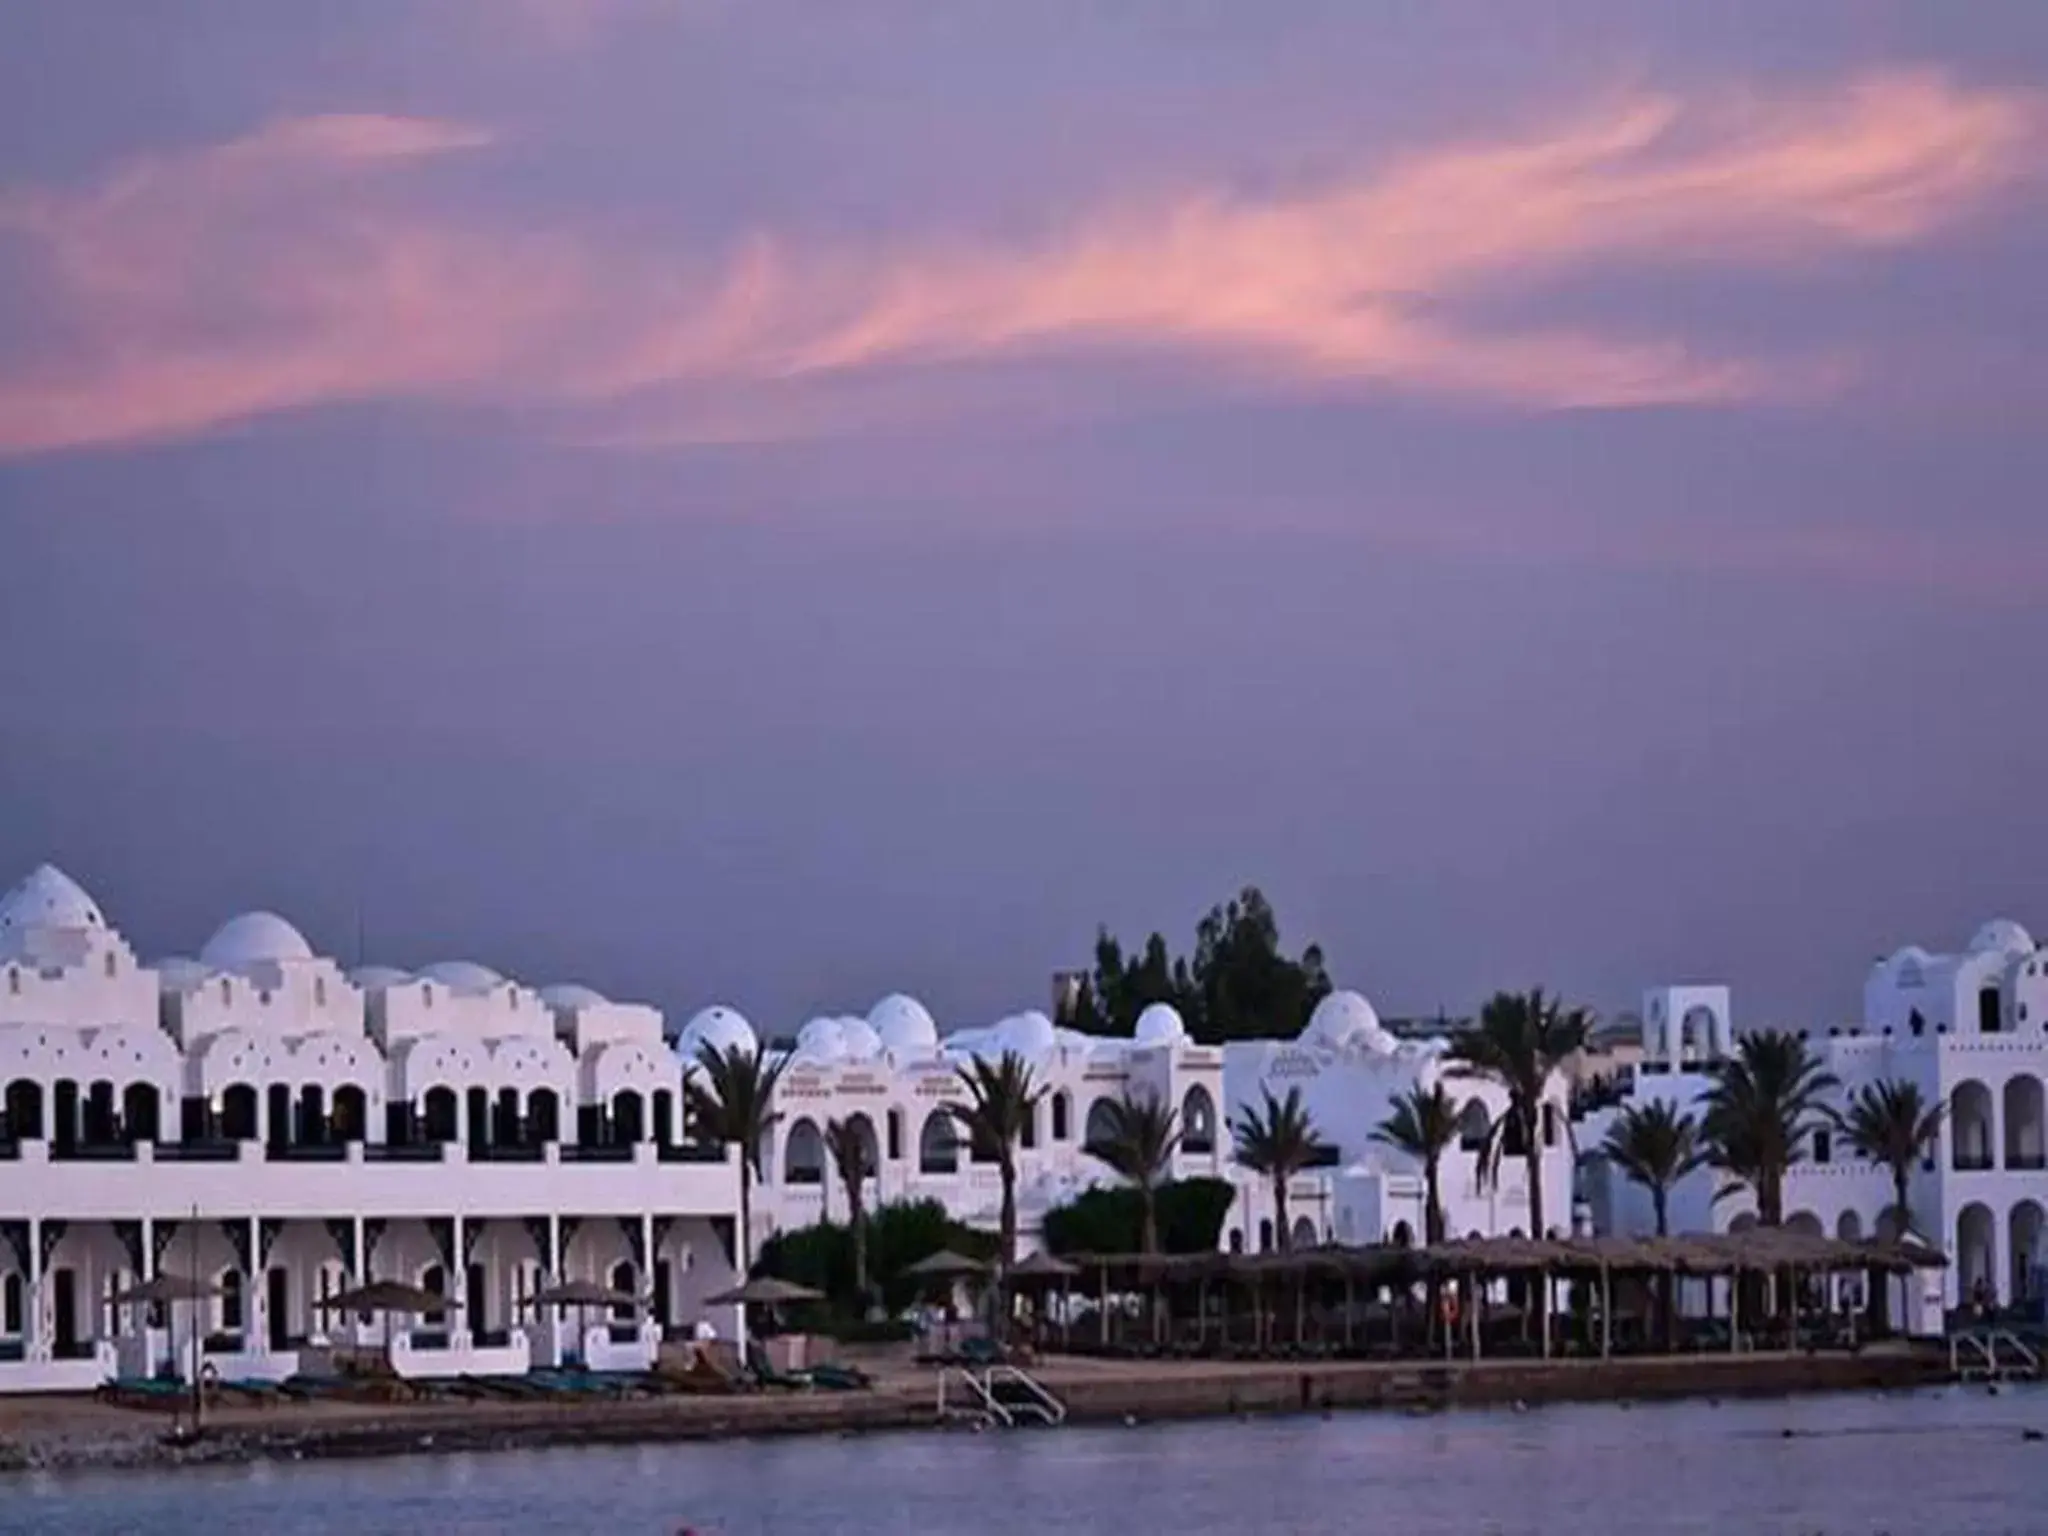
{"type": "Point", "coordinates": [997, 1397]}
{"type": "Point", "coordinates": [1992, 1354]}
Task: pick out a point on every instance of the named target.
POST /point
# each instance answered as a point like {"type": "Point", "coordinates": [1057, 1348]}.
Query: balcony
{"type": "Point", "coordinates": [197, 1151]}
{"type": "Point", "coordinates": [2026, 1162]}
{"type": "Point", "coordinates": [693, 1152]}
{"type": "Point", "coordinates": [1972, 1162]}
{"type": "Point", "coordinates": [509, 1152]}
{"type": "Point", "coordinates": [402, 1152]}
{"type": "Point", "coordinates": [308, 1152]}
{"type": "Point", "coordinates": [616, 1152]}
{"type": "Point", "coordinates": [93, 1152]}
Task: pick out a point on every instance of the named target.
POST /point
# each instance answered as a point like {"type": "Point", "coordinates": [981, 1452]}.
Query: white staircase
{"type": "Point", "coordinates": [1992, 1354]}
{"type": "Point", "coordinates": [999, 1396]}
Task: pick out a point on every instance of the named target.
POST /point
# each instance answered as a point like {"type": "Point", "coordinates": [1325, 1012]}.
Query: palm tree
{"type": "Point", "coordinates": [1892, 1123]}
{"type": "Point", "coordinates": [1655, 1146]}
{"type": "Point", "coordinates": [1519, 1041]}
{"type": "Point", "coordinates": [1279, 1143]}
{"type": "Point", "coordinates": [729, 1097]}
{"type": "Point", "coordinates": [1002, 1098]}
{"type": "Point", "coordinates": [1759, 1112]}
{"type": "Point", "coordinates": [848, 1144]}
{"type": "Point", "coordinates": [1138, 1140]}
{"type": "Point", "coordinates": [1423, 1125]}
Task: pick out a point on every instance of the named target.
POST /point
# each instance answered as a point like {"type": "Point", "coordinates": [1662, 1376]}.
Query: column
{"type": "Point", "coordinates": [464, 1328]}
{"type": "Point", "coordinates": [646, 1277]}
{"type": "Point", "coordinates": [256, 1295]}
{"type": "Point", "coordinates": [554, 1277]}
{"type": "Point", "coordinates": [35, 1346]}
{"type": "Point", "coordinates": [360, 1255]}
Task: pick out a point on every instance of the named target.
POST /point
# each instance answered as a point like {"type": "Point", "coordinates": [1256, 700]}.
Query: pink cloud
{"type": "Point", "coordinates": [288, 269]}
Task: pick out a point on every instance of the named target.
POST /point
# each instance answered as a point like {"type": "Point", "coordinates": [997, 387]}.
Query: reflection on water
{"type": "Point", "coordinates": [1950, 1462]}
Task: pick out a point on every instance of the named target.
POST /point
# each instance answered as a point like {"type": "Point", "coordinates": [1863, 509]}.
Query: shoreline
{"type": "Point", "coordinates": [80, 1435]}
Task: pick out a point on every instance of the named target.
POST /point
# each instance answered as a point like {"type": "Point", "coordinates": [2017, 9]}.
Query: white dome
{"type": "Point", "coordinates": [2001, 936]}
{"type": "Point", "coordinates": [720, 1027]}
{"type": "Point", "coordinates": [903, 1025]}
{"type": "Point", "coordinates": [1346, 1021]}
{"type": "Point", "coordinates": [254, 938]}
{"type": "Point", "coordinates": [859, 1038]}
{"type": "Point", "coordinates": [463, 975]}
{"type": "Point", "coordinates": [1160, 1024]}
{"type": "Point", "coordinates": [571, 995]}
{"type": "Point", "coordinates": [821, 1040]}
{"type": "Point", "coordinates": [49, 898]}
{"type": "Point", "coordinates": [377, 978]}
{"type": "Point", "coordinates": [1030, 1035]}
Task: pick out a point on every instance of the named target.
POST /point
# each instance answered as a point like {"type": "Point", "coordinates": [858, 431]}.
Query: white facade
{"type": "Point", "coordinates": [260, 1119]}
{"type": "Point", "coordinates": [1971, 1029]}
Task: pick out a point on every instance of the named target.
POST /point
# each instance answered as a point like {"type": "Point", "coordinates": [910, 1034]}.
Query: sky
{"type": "Point", "coordinates": [778, 502]}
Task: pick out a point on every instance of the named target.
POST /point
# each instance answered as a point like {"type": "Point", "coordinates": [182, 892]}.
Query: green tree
{"type": "Point", "coordinates": [1760, 1112]}
{"type": "Point", "coordinates": [1655, 1146]}
{"type": "Point", "coordinates": [1278, 1138]}
{"type": "Point", "coordinates": [848, 1142]}
{"type": "Point", "coordinates": [730, 1099]}
{"type": "Point", "coordinates": [1519, 1041]}
{"type": "Point", "coordinates": [1892, 1124]}
{"type": "Point", "coordinates": [1139, 1138]}
{"type": "Point", "coordinates": [1237, 985]}
{"type": "Point", "coordinates": [1108, 1218]}
{"type": "Point", "coordinates": [899, 1232]}
{"type": "Point", "coordinates": [1002, 1096]}
{"type": "Point", "coordinates": [1423, 1125]}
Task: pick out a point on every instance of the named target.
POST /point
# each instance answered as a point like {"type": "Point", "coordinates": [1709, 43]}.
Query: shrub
{"type": "Point", "coordinates": [1109, 1220]}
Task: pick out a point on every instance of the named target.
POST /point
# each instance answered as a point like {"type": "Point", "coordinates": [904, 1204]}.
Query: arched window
{"type": "Point", "coordinates": [1474, 1126]}
{"type": "Point", "coordinates": [1197, 1121]}
{"type": "Point", "coordinates": [227, 992]}
{"type": "Point", "coordinates": [238, 1113]}
{"type": "Point", "coordinates": [434, 1278]}
{"type": "Point", "coordinates": [230, 1301]}
{"type": "Point", "coordinates": [1062, 1110]}
{"type": "Point", "coordinates": [1404, 1235]}
{"type": "Point", "coordinates": [1237, 1239]}
{"type": "Point", "coordinates": [938, 1144]}
{"type": "Point", "coordinates": [10, 1305]}
{"type": "Point", "coordinates": [319, 992]}
{"type": "Point", "coordinates": [804, 1157]}
{"type": "Point", "coordinates": [629, 1117]}
{"type": "Point", "coordinates": [664, 1117]}
{"type": "Point", "coordinates": [312, 1115]}
{"type": "Point", "coordinates": [543, 1116]}
{"type": "Point", "coordinates": [351, 1113]}
{"type": "Point", "coordinates": [1549, 1125]}
{"type": "Point", "coordinates": [113, 964]}
{"type": "Point", "coordinates": [1101, 1124]}
{"type": "Point", "coordinates": [627, 1283]}
{"type": "Point", "coordinates": [25, 1110]}
{"type": "Point", "coordinates": [1266, 1235]}
{"type": "Point", "coordinates": [505, 1117]}
{"type": "Point", "coordinates": [141, 1112]}
{"type": "Point", "coordinates": [895, 1123]}
{"type": "Point", "coordinates": [442, 1118]}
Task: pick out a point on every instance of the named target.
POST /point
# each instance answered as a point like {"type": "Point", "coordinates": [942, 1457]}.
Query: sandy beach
{"type": "Point", "coordinates": [73, 1432]}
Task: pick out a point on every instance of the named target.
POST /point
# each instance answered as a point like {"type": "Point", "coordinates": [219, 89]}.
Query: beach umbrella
{"type": "Point", "coordinates": [1044, 1266]}
{"type": "Point", "coordinates": [946, 1265]}
{"type": "Point", "coordinates": [166, 1287]}
{"type": "Point", "coordinates": [582, 1293]}
{"type": "Point", "coordinates": [764, 1291]}
{"type": "Point", "coordinates": [389, 1297]}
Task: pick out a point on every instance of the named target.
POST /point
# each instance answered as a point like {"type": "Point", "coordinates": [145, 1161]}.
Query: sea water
{"type": "Point", "coordinates": [1952, 1461]}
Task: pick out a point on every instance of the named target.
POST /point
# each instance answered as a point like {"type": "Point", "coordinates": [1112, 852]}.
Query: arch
{"type": "Point", "coordinates": [141, 1112]}
{"type": "Point", "coordinates": [1303, 1234]}
{"type": "Point", "coordinates": [629, 1117]}
{"type": "Point", "coordinates": [1887, 1229]}
{"type": "Point", "coordinates": [663, 1128]}
{"type": "Point", "coordinates": [1976, 1253]}
{"type": "Point", "coordinates": [1237, 1239]}
{"type": "Point", "coordinates": [2021, 1103]}
{"type": "Point", "coordinates": [894, 1123]}
{"type": "Point", "coordinates": [1475, 1124]}
{"type": "Point", "coordinates": [1101, 1124]}
{"type": "Point", "coordinates": [10, 1304]}
{"type": "Point", "coordinates": [351, 1113]}
{"type": "Point", "coordinates": [1970, 1126]}
{"type": "Point", "coordinates": [1849, 1227]}
{"type": "Point", "coordinates": [1743, 1221]}
{"type": "Point", "coordinates": [938, 1144]}
{"type": "Point", "coordinates": [1197, 1120]}
{"type": "Point", "coordinates": [625, 1279]}
{"type": "Point", "coordinates": [1403, 1235]}
{"type": "Point", "coordinates": [441, 1115]}
{"type": "Point", "coordinates": [24, 1103]}
{"type": "Point", "coordinates": [99, 1114]}
{"type": "Point", "coordinates": [2023, 1244]}
{"type": "Point", "coordinates": [505, 1127]}
{"type": "Point", "coordinates": [543, 1116]}
{"type": "Point", "coordinates": [1265, 1234]}
{"type": "Point", "coordinates": [313, 1127]}
{"type": "Point", "coordinates": [239, 1112]}
{"type": "Point", "coordinates": [871, 1149]}
{"type": "Point", "coordinates": [1062, 1115]}
{"type": "Point", "coordinates": [1806, 1224]}
{"type": "Point", "coordinates": [230, 1300]}
{"type": "Point", "coordinates": [803, 1158]}
{"type": "Point", "coordinates": [434, 1278]}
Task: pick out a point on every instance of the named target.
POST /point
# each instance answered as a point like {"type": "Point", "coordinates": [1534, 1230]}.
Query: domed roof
{"type": "Point", "coordinates": [49, 898]}
{"type": "Point", "coordinates": [1160, 1024]}
{"type": "Point", "coordinates": [1029, 1034]}
{"type": "Point", "coordinates": [463, 975]}
{"type": "Point", "coordinates": [1346, 1021]}
{"type": "Point", "coordinates": [254, 938]}
{"type": "Point", "coordinates": [2001, 936]}
{"type": "Point", "coordinates": [821, 1040]}
{"type": "Point", "coordinates": [904, 1025]}
{"type": "Point", "coordinates": [571, 995]}
{"type": "Point", "coordinates": [376, 978]}
{"type": "Point", "coordinates": [860, 1039]}
{"type": "Point", "coordinates": [720, 1027]}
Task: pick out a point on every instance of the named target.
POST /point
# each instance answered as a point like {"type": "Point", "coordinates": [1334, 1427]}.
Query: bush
{"type": "Point", "coordinates": [1111, 1220]}
{"type": "Point", "coordinates": [899, 1234]}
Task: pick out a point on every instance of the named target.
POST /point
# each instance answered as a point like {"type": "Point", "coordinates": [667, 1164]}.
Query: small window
{"type": "Point", "coordinates": [113, 964]}
{"type": "Point", "coordinates": [1823, 1146]}
{"type": "Point", "coordinates": [319, 991]}
{"type": "Point", "coordinates": [13, 982]}
{"type": "Point", "coordinates": [10, 1310]}
{"type": "Point", "coordinates": [1059, 1126]}
{"type": "Point", "coordinates": [427, 996]}
{"type": "Point", "coordinates": [895, 1128]}
{"type": "Point", "coordinates": [227, 992]}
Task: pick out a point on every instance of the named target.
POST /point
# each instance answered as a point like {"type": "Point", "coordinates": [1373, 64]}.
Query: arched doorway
{"type": "Point", "coordinates": [25, 1110]}
{"type": "Point", "coordinates": [238, 1112]}
{"type": "Point", "coordinates": [629, 1117]}
{"type": "Point", "coordinates": [1970, 1127]}
{"type": "Point", "coordinates": [1101, 1124]}
{"type": "Point", "coordinates": [1197, 1121]}
{"type": "Point", "coordinates": [543, 1116]}
{"type": "Point", "coordinates": [351, 1113]}
{"type": "Point", "coordinates": [312, 1115]}
{"type": "Point", "coordinates": [2022, 1106]}
{"type": "Point", "coordinates": [627, 1283]}
{"type": "Point", "coordinates": [1474, 1126]}
{"type": "Point", "coordinates": [441, 1113]}
{"type": "Point", "coordinates": [2023, 1242]}
{"type": "Point", "coordinates": [938, 1144]}
{"type": "Point", "coordinates": [804, 1154]}
{"type": "Point", "coordinates": [1976, 1254]}
{"type": "Point", "coordinates": [1849, 1227]}
{"type": "Point", "coordinates": [1303, 1235]}
{"type": "Point", "coordinates": [141, 1112]}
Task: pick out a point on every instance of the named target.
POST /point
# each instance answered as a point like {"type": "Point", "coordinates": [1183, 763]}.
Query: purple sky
{"type": "Point", "coordinates": [776, 502]}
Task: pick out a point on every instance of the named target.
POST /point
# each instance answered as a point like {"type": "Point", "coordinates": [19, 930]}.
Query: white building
{"type": "Point", "coordinates": [1971, 1029]}
{"type": "Point", "coordinates": [264, 1121]}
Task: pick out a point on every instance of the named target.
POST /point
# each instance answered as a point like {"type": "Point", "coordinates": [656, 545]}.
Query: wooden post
{"type": "Point", "coordinates": [1543, 1297]}
{"type": "Point", "coordinates": [1606, 1311]}
{"type": "Point", "coordinates": [1473, 1313]}
{"type": "Point", "coordinates": [1734, 1308]}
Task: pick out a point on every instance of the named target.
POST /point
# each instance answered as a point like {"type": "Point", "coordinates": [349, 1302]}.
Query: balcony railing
{"type": "Point", "coordinates": [601, 1152]}
{"type": "Point", "coordinates": [508, 1152]}
{"type": "Point", "coordinates": [2030, 1162]}
{"type": "Point", "coordinates": [1972, 1162]}
{"type": "Point", "coordinates": [197, 1151]}
{"type": "Point", "coordinates": [93, 1152]}
{"type": "Point", "coordinates": [308, 1152]}
{"type": "Point", "coordinates": [402, 1152]}
{"type": "Point", "coordinates": [693, 1152]}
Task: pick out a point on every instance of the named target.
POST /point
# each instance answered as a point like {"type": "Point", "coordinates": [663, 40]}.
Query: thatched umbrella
{"type": "Point", "coordinates": [1045, 1268]}
{"type": "Point", "coordinates": [166, 1288]}
{"type": "Point", "coordinates": [390, 1298]}
{"type": "Point", "coordinates": [764, 1291]}
{"type": "Point", "coordinates": [582, 1295]}
{"type": "Point", "coordinates": [945, 1265]}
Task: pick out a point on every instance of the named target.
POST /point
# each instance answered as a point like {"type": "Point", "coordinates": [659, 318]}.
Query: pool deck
{"type": "Point", "coordinates": [72, 1432]}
